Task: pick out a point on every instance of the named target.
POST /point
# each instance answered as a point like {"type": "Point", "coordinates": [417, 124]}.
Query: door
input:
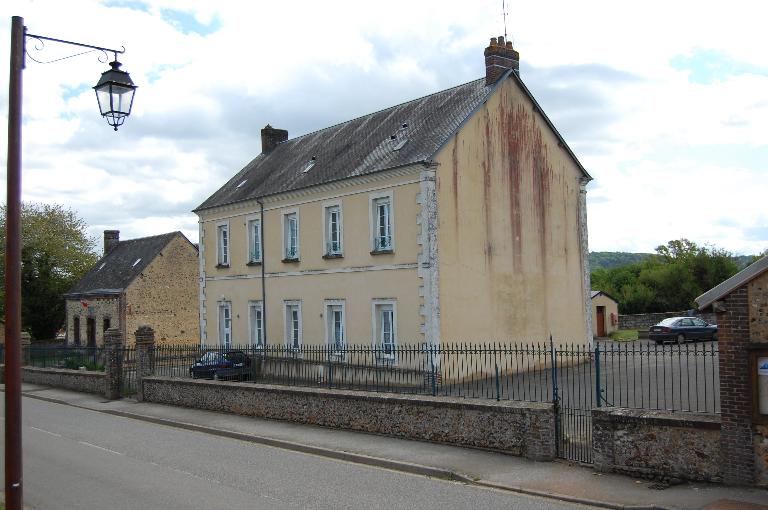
{"type": "Point", "coordinates": [600, 321]}
{"type": "Point", "coordinates": [91, 332]}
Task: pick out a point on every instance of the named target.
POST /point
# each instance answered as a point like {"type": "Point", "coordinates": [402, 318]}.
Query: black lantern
{"type": "Point", "coordinates": [115, 95]}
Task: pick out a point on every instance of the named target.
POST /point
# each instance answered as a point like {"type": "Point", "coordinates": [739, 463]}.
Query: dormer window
{"type": "Point", "coordinates": [241, 184]}
{"type": "Point", "coordinates": [310, 164]}
{"type": "Point", "coordinates": [399, 138]}
{"type": "Point", "coordinates": [137, 261]}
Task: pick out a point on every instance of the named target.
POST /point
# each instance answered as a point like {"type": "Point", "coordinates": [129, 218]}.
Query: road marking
{"type": "Point", "coordinates": [54, 434]}
{"type": "Point", "coordinates": [100, 447]}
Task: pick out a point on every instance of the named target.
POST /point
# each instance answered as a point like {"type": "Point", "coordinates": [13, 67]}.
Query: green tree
{"type": "Point", "coordinates": [56, 252]}
{"type": "Point", "coordinates": [670, 280]}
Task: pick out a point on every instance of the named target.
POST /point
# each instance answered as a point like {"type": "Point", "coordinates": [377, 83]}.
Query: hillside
{"type": "Point", "coordinates": [611, 259]}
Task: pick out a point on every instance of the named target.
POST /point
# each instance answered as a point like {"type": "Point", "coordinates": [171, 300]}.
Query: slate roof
{"type": "Point", "coordinates": [747, 274]}
{"type": "Point", "coordinates": [363, 145]}
{"type": "Point", "coordinates": [115, 271]}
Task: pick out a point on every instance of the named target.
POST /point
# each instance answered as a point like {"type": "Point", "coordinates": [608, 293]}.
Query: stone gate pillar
{"type": "Point", "coordinates": [145, 357]}
{"type": "Point", "coordinates": [113, 364]}
{"type": "Point", "coordinates": [26, 355]}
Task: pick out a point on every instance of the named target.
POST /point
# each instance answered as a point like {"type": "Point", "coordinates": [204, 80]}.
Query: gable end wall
{"type": "Point", "coordinates": [165, 296]}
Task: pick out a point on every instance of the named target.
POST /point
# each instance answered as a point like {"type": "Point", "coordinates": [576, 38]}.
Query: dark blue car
{"type": "Point", "coordinates": [681, 330]}
{"type": "Point", "coordinates": [222, 365]}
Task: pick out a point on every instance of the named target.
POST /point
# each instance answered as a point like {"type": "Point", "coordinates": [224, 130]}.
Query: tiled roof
{"type": "Point", "coordinates": [357, 147]}
{"type": "Point", "coordinates": [116, 270]}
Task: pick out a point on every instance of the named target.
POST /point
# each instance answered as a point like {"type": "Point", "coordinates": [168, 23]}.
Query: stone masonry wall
{"type": "Point", "coordinates": [99, 308]}
{"type": "Point", "coordinates": [77, 380]}
{"type": "Point", "coordinates": [165, 296]}
{"type": "Point", "coordinates": [757, 300]}
{"type": "Point", "coordinates": [643, 321]}
{"type": "Point", "coordinates": [657, 443]}
{"type": "Point", "coordinates": [519, 428]}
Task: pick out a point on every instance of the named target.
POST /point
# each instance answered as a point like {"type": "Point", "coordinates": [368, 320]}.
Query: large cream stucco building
{"type": "Point", "coordinates": [457, 217]}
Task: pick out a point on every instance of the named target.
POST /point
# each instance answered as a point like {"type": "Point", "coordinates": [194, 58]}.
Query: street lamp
{"type": "Point", "coordinates": [114, 93]}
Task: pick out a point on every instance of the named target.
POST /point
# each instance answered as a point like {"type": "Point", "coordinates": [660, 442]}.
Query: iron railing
{"type": "Point", "coordinates": [90, 358]}
{"type": "Point", "coordinates": [634, 375]}
{"type": "Point", "coordinates": [674, 377]}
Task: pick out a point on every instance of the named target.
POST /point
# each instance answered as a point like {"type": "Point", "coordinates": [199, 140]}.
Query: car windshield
{"type": "Point", "coordinates": [669, 322]}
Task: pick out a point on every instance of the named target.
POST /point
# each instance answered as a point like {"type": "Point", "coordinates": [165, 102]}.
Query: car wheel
{"type": "Point", "coordinates": [714, 336]}
{"type": "Point", "coordinates": [659, 342]}
{"type": "Point", "coordinates": [681, 338]}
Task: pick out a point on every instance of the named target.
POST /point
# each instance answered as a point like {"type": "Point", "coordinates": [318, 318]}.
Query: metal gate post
{"type": "Point", "coordinates": [598, 390]}
{"type": "Point", "coordinates": [555, 395]}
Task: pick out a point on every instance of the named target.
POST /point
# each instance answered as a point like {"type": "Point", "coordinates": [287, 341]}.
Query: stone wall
{"type": "Point", "coordinates": [77, 380]}
{"type": "Point", "coordinates": [165, 296]}
{"type": "Point", "coordinates": [98, 308]}
{"type": "Point", "coordinates": [643, 321]}
{"type": "Point", "coordinates": [519, 428]}
{"type": "Point", "coordinates": [657, 444]}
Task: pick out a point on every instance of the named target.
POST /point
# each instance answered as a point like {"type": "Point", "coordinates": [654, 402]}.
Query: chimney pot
{"type": "Point", "coordinates": [501, 40]}
{"type": "Point", "coordinates": [271, 137]}
{"type": "Point", "coordinates": [493, 41]}
{"type": "Point", "coordinates": [111, 240]}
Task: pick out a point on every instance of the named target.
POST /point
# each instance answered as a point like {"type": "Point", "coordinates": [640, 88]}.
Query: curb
{"type": "Point", "coordinates": [356, 458]}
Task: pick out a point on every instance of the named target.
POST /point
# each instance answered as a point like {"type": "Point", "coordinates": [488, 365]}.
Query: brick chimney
{"type": "Point", "coordinates": [499, 58]}
{"type": "Point", "coordinates": [270, 137]}
{"type": "Point", "coordinates": [111, 240]}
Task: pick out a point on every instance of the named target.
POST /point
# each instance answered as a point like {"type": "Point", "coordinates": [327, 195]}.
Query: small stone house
{"type": "Point", "coordinates": [605, 314]}
{"type": "Point", "coordinates": [741, 306]}
{"type": "Point", "coordinates": [147, 281]}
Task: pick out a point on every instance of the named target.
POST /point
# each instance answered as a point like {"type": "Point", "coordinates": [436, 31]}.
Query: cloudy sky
{"type": "Point", "coordinates": [665, 103]}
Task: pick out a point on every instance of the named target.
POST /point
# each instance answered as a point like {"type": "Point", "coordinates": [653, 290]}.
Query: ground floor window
{"type": "Point", "coordinates": [293, 324]}
{"type": "Point", "coordinates": [335, 328]}
{"type": "Point", "coordinates": [385, 327]}
{"type": "Point", "coordinates": [225, 324]}
{"type": "Point", "coordinates": [256, 323]}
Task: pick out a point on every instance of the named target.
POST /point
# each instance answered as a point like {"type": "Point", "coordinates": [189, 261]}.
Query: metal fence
{"type": "Point", "coordinates": [635, 375]}
{"type": "Point", "coordinates": [91, 358]}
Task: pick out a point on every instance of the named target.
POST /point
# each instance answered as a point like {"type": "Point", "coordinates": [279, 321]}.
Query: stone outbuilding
{"type": "Point", "coordinates": [145, 281]}
{"type": "Point", "coordinates": [605, 314]}
{"type": "Point", "coordinates": [741, 305]}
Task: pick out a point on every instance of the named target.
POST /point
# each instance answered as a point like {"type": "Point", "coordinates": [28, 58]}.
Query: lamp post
{"type": "Point", "coordinates": [114, 92]}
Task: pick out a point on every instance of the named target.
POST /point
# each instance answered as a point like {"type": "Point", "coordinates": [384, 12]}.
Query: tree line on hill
{"type": "Point", "coordinates": [668, 280]}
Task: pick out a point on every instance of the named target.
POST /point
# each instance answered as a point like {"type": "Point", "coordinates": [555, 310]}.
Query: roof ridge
{"type": "Point", "coordinates": [122, 242]}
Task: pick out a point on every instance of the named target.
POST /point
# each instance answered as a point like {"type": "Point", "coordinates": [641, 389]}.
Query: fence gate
{"type": "Point", "coordinates": [573, 391]}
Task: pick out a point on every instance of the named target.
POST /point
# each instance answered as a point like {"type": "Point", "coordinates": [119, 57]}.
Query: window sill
{"type": "Point", "coordinates": [253, 263]}
{"type": "Point", "coordinates": [333, 256]}
{"type": "Point", "coordinates": [383, 252]}
{"type": "Point", "coordinates": [222, 266]}
{"type": "Point", "coordinates": [290, 261]}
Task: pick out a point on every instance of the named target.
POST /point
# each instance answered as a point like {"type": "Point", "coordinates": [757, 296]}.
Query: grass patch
{"type": "Point", "coordinates": [624, 335]}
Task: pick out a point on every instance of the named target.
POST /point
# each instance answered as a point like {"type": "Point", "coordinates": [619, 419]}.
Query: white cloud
{"type": "Point", "coordinates": [671, 158]}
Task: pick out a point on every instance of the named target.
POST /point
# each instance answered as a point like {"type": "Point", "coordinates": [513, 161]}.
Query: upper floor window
{"type": "Point", "coordinates": [222, 242]}
{"type": "Point", "coordinates": [382, 224]}
{"type": "Point", "coordinates": [254, 240]}
{"type": "Point", "coordinates": [293, 324]}
{"type": "Point", "coordinates": [256, 323]}
{"type": "Point", "coordinates": [333, 230]}
{"type": "Point", "coordinates": [291, 236]}
{"type": "Point", "coordinates": [335, 334]}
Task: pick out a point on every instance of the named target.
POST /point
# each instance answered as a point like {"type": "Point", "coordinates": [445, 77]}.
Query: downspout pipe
{"type": "Point", "coordinates": [263, 272]}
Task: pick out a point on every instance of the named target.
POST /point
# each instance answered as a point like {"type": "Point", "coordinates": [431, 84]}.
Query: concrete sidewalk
{"type": "Point", "coordinates": [558, 480]}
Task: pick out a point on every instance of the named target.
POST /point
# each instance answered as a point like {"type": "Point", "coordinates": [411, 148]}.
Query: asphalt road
{"type": "Point", "coordinates": [79, 459]}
